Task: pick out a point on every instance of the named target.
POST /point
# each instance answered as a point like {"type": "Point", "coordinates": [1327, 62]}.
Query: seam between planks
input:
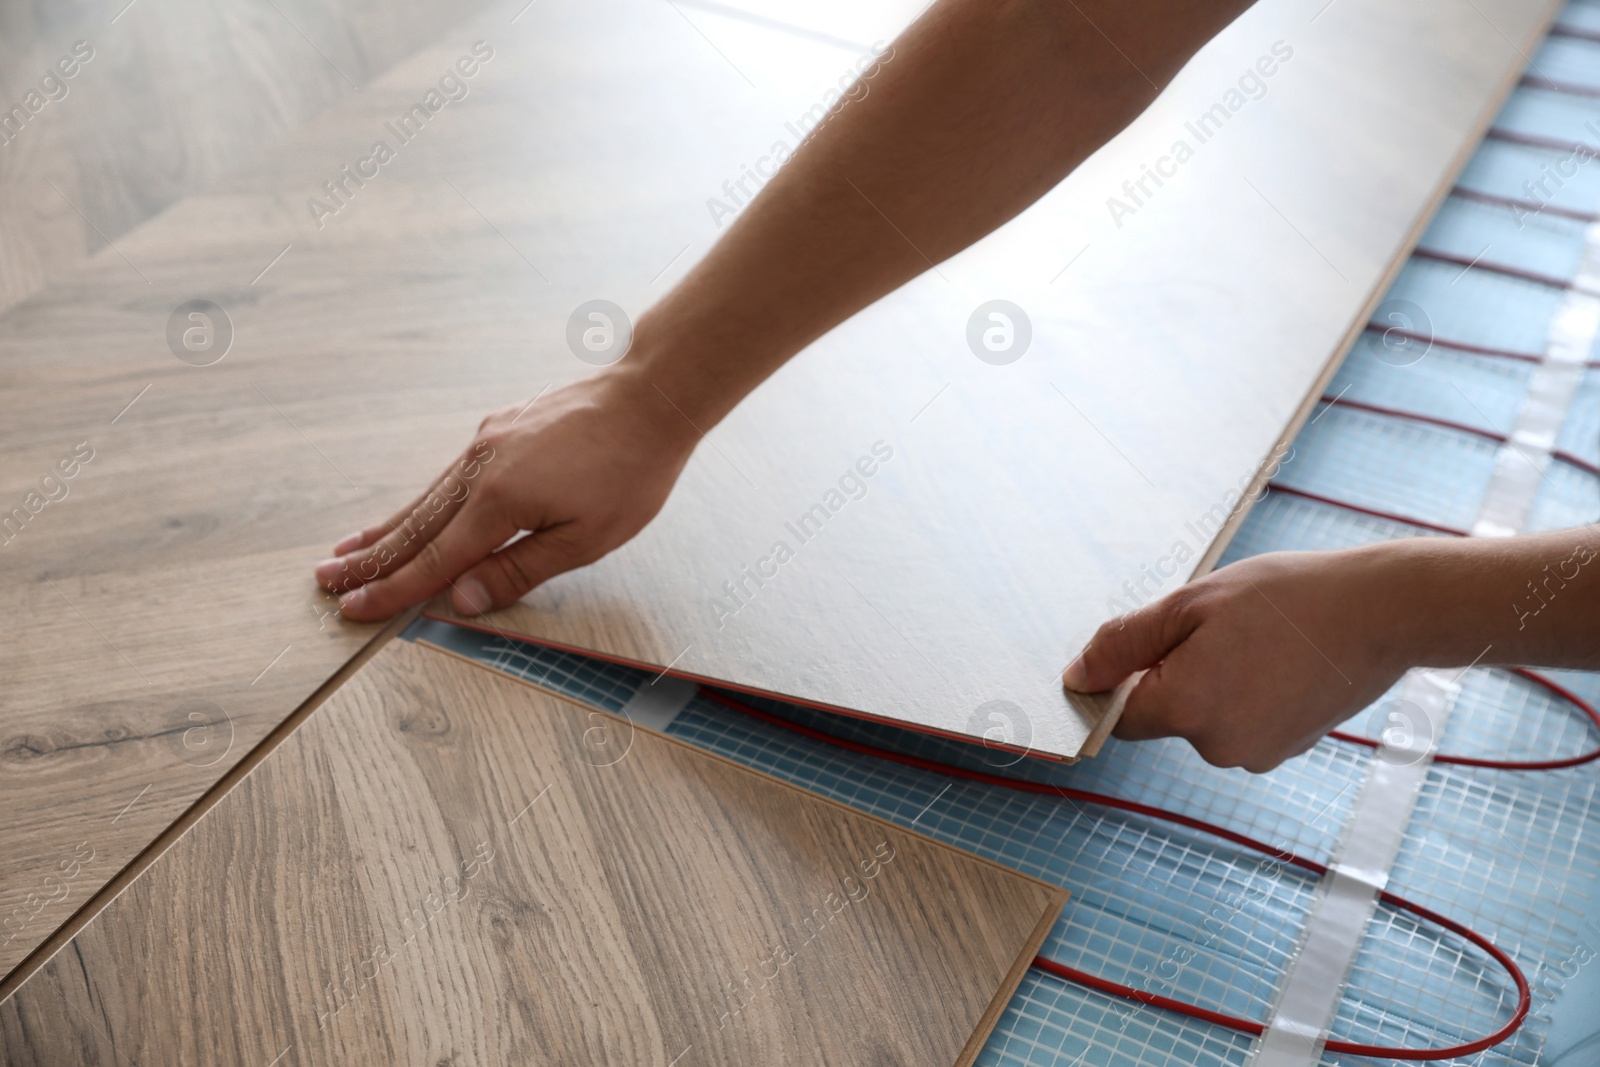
{"type": "Point", "coordinates": [62, 935]}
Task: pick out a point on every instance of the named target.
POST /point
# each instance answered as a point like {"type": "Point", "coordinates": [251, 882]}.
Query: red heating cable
{"type": "Point", "coordinates": [1530, 140]}
{"type": "Point", "coordinates": [1467, 263]}
{"type": "Point", "coordinates": [1534, 140]}
{"type": "Point", "coordinates": [1463, 346]}
{"type": "Point", "coordinates": [1553, 86]}
{"type": "Point", "coordinates": [1575, 32]}
{"type": "Point", "coordinates": [1533, 207]}
{"type": "Point", "coordinates": [1193, 1011]}
{"type": "Point", "coordinates": [1408, 520]}
{"type": "Point", "coordinates": [1460, 427]}
{"type": "Point", "coordinates": [1390, 516]}
{"type": "Point", "coordinates": [1588, 709]}
{"type": "Point", "coordinates": [1459, 346]}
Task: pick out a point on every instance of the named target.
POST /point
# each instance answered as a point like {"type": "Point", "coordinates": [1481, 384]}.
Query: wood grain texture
{"type": "Point", "coordinates": [164, 617]}
{"type": "Point", "coordinates": [165, 621]}
{"type": "Point", "coordinates": [438, 838]}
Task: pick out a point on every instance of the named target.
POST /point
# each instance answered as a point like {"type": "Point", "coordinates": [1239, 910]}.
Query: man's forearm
{"type": "Point", "coordinates": [1532, 600]}
{"type": "Point", "coordinates": [984, 106]}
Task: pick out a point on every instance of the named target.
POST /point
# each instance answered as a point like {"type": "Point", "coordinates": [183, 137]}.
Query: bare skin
{"type": "Point", "coordinates": [1253, 663]}
{"type": "Point", "coordinates": [1000, 99]}
{"type": "Point", "coordinates": [984, 106]}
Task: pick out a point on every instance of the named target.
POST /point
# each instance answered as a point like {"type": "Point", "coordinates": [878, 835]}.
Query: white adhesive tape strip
{"type": "Point", "coordinates": [1346, 898]}
{"type": "Point", "coordinates": [1314, 980]}
{"type": "Point", "coordinates": [1520, 465]}
{"type": "Point", "coordinates": [656, 703]}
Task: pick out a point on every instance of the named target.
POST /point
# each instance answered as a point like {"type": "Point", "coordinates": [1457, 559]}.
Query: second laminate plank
{"type": "Point", "coordinates": [434, 870]}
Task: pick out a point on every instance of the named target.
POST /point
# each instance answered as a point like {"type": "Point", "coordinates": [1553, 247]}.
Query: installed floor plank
{"type": "Point", "coordinates": [433, 869]}
{"type": "Point", "coordinates": [165, 617]}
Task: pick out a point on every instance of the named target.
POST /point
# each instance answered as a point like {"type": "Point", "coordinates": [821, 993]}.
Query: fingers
{"type": "Point", "coordinates": [1181, 698]}
{"type": "Point", "coordinates": [1133, 642]}
{"type": "Point", "coordinates": [504, 577]}
{"type": "Point", "coordinates": [363, 538]}
{"type": "Point", "coordinates": [1152, 708]}
{"type": "Point", "coordinates": [352, 542]}
{"type": "Point", "coordinates": [381, 549]}
{"type": "Point", "coordinates": [467, 537]}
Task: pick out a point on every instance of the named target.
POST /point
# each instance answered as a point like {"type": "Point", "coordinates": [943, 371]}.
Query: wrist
{"type": "Point", "coordinates": [630, 386]}
{"type": "Point", "coordinates": [671, 370]}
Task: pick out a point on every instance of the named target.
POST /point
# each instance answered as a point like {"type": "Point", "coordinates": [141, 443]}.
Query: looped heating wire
{"type": "Point", "coordinates": [1533, 140]}
{"type": "Point", "coordinates": [1390, 516]}
{"type": "Point", "coordinates": [1530, 206]}
{"type": "Point", "coordinates": [1411, 520]}
{"type": "Point", "coordinates": [1193, 1011]}
{"type": "Point", "coordinates": [1540, 680]}
{"type": "Point", "coordinates": [1568, 88]}
{"type": "Point", "coordinates": [1575, 32]}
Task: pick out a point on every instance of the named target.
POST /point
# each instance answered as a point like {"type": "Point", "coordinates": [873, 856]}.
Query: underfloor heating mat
{"type": "Point", "coordinates": [1169, 913]}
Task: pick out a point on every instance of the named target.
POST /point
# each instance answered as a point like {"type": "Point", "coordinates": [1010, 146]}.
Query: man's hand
{"type": "Point", "coordinates": [582, 470]}
{"type": "Point", "coordinates": [1255, 662]}
{"type": "Point", "coordinates": [978, 109]}
{"type": "Point", "coordinates": [1252, 664]}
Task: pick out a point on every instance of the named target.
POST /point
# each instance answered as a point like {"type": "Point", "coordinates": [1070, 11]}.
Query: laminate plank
{"type": "Point", "coordinates": [1180, 333]}
{"type": "Point", "coordinates": [164, 619]}
{"type": "Point", "coordinates": [434, 869]}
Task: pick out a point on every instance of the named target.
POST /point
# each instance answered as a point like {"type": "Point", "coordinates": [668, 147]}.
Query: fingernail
{"type": "Point", "coordinates": [1075, 677]}
{"type": "Point", "coordinates": [328, 570]}
{"type": "Point", "coordinates": [352, 600]}
{"type": "Point", "coordinates": [470, 597]}
{"type": "Point", "coordinates": [348, 544]}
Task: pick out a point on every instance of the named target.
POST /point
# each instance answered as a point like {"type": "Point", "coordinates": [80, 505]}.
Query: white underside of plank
{"type": "Point", "coordinates": [1023, 504]}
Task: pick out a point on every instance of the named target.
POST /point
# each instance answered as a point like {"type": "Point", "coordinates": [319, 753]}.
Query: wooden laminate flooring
{"type": "Point", "coordinates": [438, 868]}
{"type": "Point", "coordinates": [167, 506]}
{"type": "Point", "coordinates": [164, 99]}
